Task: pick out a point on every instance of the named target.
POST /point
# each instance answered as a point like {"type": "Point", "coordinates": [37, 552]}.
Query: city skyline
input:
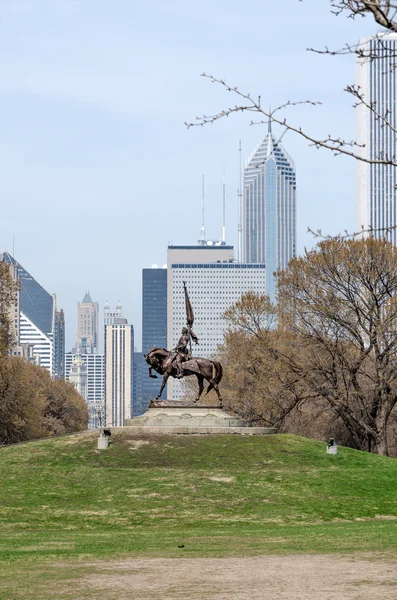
{"type": "Point", "coordinates": [78, 140]}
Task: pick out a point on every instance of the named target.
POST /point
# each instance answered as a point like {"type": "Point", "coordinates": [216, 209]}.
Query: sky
{"type": "Point", "coordinates": [99, 172]}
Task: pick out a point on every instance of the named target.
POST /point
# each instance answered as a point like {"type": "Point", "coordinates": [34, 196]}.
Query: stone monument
{"type": "Point", "coordinates": [182, 416]}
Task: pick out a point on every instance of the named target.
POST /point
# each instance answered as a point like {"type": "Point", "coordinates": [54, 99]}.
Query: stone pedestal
{"type": "Point", "coordinates": [192, 419]}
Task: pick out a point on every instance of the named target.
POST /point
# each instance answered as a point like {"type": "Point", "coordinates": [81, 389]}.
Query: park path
{"type": "Point", "coordinates": [296, 577]}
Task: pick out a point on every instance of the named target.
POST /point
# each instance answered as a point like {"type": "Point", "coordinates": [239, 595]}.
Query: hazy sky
{"type": "Point", "coordinates": [99, 173]}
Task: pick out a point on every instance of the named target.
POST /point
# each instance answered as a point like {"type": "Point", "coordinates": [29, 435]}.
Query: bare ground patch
{"type": "Point", "coordinates": [324, 577]}
{"type": "Point", "coordinates": [136, 444]}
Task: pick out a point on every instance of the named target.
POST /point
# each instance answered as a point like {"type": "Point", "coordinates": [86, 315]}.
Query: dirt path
{"type": "Point", "coordinates": [327, 577]}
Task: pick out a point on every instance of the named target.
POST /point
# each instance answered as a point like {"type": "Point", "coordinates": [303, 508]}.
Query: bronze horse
{"type": "Point", "coordinates": [203, 368]}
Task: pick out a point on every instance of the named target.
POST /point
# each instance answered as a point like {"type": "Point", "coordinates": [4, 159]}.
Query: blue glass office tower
{"type": "Point", "coordinates": [154, 325]}
{"type": "Point", "coordinates": [269, 209]}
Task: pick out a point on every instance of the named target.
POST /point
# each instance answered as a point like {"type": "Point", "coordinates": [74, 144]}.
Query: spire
{"type": "Point", "coordinates": [202, 230]}
{"type": "Point", "coordinates": [269, 125]}
{"type": "Point", "coordinates": [87, 298]}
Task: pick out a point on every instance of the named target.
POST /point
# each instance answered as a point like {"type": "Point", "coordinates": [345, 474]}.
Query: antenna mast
{"type": "Point", "coordinates": [224, 207]}
{"type": "Point", "coordinates": [240, 209]}
{"type": "Point", "coordinates": [202, 231]}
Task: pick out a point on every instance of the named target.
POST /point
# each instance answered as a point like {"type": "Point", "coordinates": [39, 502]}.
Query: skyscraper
{"type": "Point", "coordinates": [269, 209]}
{"type": "Point", "coordinates": [59, 345]}
{"type": "Point", "coordinates": [78, 375]}
{"type": "Point", "coordinates": [93, 365]}
{"type": "Point", "coordinates": [214, 282]}
{"type": "Point", "coordinates": [119, 365]}
{"type": "Point", "coordinates": [140, 399]}
{"type": "Point", "coordinates": [376, 184]}
{"type": "Point", "coordinates": [154, 327]}
{"type": "Point", "coordinates": [36, 324]}
{"type": "Point", "coordinates": [87, 325]}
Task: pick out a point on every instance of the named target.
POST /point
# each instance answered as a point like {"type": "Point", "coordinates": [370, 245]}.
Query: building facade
{"type": "Point", "coordinates": [113, 316]}
{"type": "Point", "coordinates": [376, 184]}
{"type": "Point", "coordinates": [36, 317]}
{"type": "Point", "coordinates": [58, 371]}
{"type": "Point", "coordinates": [214, 282]}
{"type": "Point", "coordinates": [94, 395]}
{"type": "Point", "coordinates": [140, 398]}
{"type": "Point", "coordinates": [78, 375]}
{"type": "Point", "coordinates": [154, 327]}
{"type": "Point", "coordinates": [87, 325]}
{"type": "Point", "coordinates": [269, 209]}
{"type": "Point", "coordinates": [119, 365]}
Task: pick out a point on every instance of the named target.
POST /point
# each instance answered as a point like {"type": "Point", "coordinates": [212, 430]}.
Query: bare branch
{"type": "Point", "coordinates": [382, 11]}
{"type": "Point", "coordinates": [381, 232]}
{"type": "Point", "coordinates": [335, 144]}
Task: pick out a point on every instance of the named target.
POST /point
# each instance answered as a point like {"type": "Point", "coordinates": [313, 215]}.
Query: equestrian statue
{"type": "Point", "coordinates": [179, 362]}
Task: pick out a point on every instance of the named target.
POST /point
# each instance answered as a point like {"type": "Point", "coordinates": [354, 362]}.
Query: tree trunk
{"type": "Point", "coordinates": [379, 445]}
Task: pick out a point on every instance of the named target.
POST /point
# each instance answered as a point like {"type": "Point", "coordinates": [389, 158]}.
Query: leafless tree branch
{"type": "Point", "coordinates": [337, 145]}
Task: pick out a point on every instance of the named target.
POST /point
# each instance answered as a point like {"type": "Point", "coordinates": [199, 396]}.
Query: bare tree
{"type": "Point", "coordinates": [263, 381]}
{"type": "Point", "coordinates": [334, 345]}
{"type": "Point", "coordinates": [341, 300]}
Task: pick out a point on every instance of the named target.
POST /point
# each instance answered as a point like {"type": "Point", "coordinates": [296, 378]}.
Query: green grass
{"type": "Point", "coordinates": [216, 495]}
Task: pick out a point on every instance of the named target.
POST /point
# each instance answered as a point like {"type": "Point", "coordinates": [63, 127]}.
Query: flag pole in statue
{"type": "Point", "coordinates": [189, 317]}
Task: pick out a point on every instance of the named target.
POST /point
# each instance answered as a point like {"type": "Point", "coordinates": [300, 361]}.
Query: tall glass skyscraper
{"type": "Point", "coordinates": [154, 326]}
{"type": "Point", "coordinates": [269, 209]}
{"type": "Point", "coordinates": [376, 183]}
{"type": "Point", "coordinates": [154, 308]}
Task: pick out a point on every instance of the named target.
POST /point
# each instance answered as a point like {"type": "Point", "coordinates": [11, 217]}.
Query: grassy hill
{"type": "Point", "coordinates": [219, 495]}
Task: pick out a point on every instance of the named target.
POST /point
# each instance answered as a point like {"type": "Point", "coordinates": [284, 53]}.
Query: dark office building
{"type": "Point", "coordinates": [139, 405]}
{"type": "Point", "coordinates": [154, 325]}
{"type": "Point", "coordinates": [58, 366]}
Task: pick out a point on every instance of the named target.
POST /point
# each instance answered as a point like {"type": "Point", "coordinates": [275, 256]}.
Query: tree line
{"type": "Point", "coordinates": [326, 353]}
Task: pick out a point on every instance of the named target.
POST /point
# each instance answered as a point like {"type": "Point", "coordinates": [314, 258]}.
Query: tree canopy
{"type": "Point", "coordinates": [335, 339]}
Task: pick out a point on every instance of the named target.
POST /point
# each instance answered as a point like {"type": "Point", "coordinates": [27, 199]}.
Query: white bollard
{"type": "Point", "coordinates": [103, 442]}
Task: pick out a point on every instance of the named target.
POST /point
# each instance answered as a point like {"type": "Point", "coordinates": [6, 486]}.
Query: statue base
{"type": "Point", "coordinates": [180, 404]}
{"type": "Point", "coordinates": [177, 417]}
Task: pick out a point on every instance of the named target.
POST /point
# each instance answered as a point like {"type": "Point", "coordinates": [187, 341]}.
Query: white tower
{"type": "Point", "coordinates": [376, 195]}
{"type": "Point", "coordinates": [119, 356]}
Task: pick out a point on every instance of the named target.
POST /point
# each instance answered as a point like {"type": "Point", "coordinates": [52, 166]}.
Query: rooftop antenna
{"type": "Point", "coordinates": [240, 207]}
{"type": "Point", "coordinates": [13, 245]}
{"type": "Point", "coordinates": [202, 231]}
{"type": "Point", "coordinates": [224, 207]}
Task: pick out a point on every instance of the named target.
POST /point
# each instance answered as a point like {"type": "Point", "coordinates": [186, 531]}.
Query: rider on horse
{"type": "Point", "coordinates": [181, 351]}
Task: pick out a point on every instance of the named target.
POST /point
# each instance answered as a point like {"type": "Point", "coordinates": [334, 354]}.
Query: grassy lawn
{"type": "Point", "coordinates": [62, 500]}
